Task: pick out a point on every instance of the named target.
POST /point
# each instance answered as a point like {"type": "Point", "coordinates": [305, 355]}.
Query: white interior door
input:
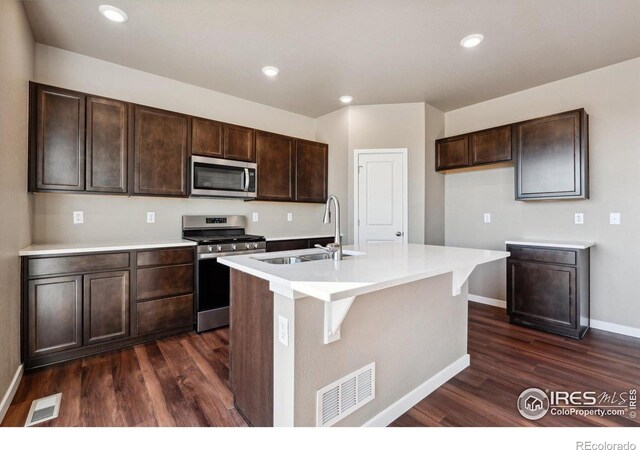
{"type": "Point", "coordinates": [381, 196]}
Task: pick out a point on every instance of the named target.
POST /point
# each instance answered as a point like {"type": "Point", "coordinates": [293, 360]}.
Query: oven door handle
{"type": "Point", "coordinates": [246, 179]}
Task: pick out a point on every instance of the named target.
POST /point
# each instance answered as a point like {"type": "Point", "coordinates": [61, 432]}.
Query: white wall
{"type": "Point", "coordinates": [333, 128]}
{"type": "Point", "coordinates": [399, 125]}
{"type": "Point", "coordinates": [611, 97]}
{"type": "Point", "coordinates": [16, 68]}
{"type": "Point", "coordinates": [434, 181]}
{"type": "Point", "coordinates": [116, 217]}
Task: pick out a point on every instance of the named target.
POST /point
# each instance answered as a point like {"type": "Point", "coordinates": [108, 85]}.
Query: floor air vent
{"type": "Point", "coordinates": [44, 409]}
{"type": "Point", "coordinates": [344, 396]}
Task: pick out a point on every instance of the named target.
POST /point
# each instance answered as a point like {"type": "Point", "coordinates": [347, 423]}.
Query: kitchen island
{"type": "Point", "coordinates": [352, 342]}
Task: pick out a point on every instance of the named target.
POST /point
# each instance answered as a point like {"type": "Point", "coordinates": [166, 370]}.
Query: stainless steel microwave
{"type": "Point", "coordinates": [213, 177]}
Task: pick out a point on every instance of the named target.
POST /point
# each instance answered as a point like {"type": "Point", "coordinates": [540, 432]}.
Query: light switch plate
{"type": "Point", "coordinates": [283, 330]}
{"type": "Point", "coordinates": [614, 218]}
{"type": "Point", "coordinates": [255, 216]}
{"type": "Point", "coordinates": [579, 218]}
{"type": "Point", "coordinates": [487, 217]}
{"type": "Point", "coordinates": [151, 217]}
{"type": "Point", "coordinates": [78, 217]}
{"type": "Point", "coordinates": [289, 217]}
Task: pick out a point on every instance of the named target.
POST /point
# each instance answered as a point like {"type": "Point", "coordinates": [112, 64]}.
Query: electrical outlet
{"type": "Point", "coordinates": [151, 217]}
{"type": "Point", "coordinates": [283, 330]}
{"type": "Point", "coordinates": [255, 216]}
{"type": "Point", "coordinates": [78, 217]}
{"type": "Point", "coordinates": [289, 217]}
{"type": "Point", "coordinates": [487, 217]}
{"type": "Point", "coordinates": [614, 218]}
{"type": "Point", "coordinates": [579, 218]}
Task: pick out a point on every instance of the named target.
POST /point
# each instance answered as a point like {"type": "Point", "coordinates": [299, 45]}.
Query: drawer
{"type": "Point", "coordinates": [280, 246]}
{"type": "Point", "coordinates": [165, 257]}
{"type": "Point", "coordinates": [81, 263]}
{"type": "Point", "coordinates": [165, 314]}
{"type": "Point", "coordinates": [167, 281]}
{"type": "Point", "coordinates": [543, 255]}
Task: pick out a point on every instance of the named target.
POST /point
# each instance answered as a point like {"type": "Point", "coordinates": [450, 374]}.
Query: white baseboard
{"type": "Point", "coordinates": [403, 405]}
{"type": "Point", "coordinates": [615, 328]}
{"type": "Point", "coordinates": [488, 301]}
{"type": "Point", "coordinates": [596, 324]}
{"type": "Point", "coordinates": [11, 392]}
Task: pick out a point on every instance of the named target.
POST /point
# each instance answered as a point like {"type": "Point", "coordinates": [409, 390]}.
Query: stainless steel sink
{"type": "Point", "coordinates": [298, 259]}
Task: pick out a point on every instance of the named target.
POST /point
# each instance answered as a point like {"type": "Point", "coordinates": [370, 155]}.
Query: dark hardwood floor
{"type": "Point", "coordinates": [183, 380]}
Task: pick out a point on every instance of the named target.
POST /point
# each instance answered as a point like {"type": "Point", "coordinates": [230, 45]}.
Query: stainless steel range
{"type": "Point", "coordinates": [217, 236]}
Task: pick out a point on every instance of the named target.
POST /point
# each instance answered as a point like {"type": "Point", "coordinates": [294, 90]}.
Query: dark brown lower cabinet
{"type": "Point", "coordinates": [106, 306]}
{"type": "Point", "coordinates": [251, 348]}
{"type": "Point", "coordinates": [548, 289]}
{"type": "Point", "coordinates": [297, 244]}
{"type": "Point", "coordinates": [55, 315]}
{"type": "Point", "coordinates": [81, 304]}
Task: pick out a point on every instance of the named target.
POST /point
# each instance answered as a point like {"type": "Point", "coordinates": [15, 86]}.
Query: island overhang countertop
{"type": "Point", "coordinates": [364, 269]}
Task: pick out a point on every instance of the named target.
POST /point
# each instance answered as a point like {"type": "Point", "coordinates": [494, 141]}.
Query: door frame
{"type": "Point", "coordinates": [405, 189]}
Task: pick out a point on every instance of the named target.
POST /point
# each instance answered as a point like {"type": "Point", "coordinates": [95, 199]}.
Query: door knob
{"type": "Point", "coordinates": [398, 233]}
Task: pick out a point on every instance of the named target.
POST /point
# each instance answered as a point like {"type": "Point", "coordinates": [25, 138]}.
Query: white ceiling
{"type": "Point", "coordinates": [378, 51]}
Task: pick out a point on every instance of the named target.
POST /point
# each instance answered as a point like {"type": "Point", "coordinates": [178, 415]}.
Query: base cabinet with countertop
{"type": "Point", "coordinates": [78, 304]}
{"type": "Point", "coordinates": [280, 245]}
{"type": "Point", "coordinates": [548, 287]}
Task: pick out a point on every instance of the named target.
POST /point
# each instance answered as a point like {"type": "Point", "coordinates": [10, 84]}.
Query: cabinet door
{"type": "Point", "coordinates": [54, 315]}
{"type": "Point", "coordinates": [59, 140]}
{"type": "Point", "coordinates": [276, 160]}
{"type": "Point", "coordinates": [160, 152]}
{"type": "Point", "coordinates": [490, 146]}
{"type": "Point", "coordinates": [312, 161]}
{"type": "Point", "coordinates": [543, 294]}
{"type": "Point", "coordinates": [106, 306]}
{"type": "Point", "coordinates": [206, 138]}
{"type": "Point", "coordinates": [552, 157]}
{"type": "Point", "coordinates": [238, 143]}
{"type": "Point", "coordinates": [452, 153]}
{"type": "Point", "coordinates": [107, 145]}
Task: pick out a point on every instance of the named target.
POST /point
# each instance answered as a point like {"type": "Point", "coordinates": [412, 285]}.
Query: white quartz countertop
{"type": "Point", "coordinates": [60, 249]}
{"type": "Point", "coordinates": [579, 245]}
{"type": "Point", "coordinates": [368, 269]}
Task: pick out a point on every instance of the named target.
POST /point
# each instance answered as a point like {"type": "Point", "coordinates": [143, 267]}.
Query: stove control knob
{"type": "Point", "coordinates": [233, 246]}
{"type": "Point", "coordinates": [219, 248]}
{"type": "Point", "coordinates": [255, 245]}
{"type": "Point", "coordinates": [247, 246]}
{"type": "Point", "coordinates": [210, 249]}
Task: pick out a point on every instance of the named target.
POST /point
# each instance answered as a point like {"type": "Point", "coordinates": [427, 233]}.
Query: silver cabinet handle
{"type": "Point", "coordinates": [246, 179]}
{"type": "Point", "coordinates": [398, 233]}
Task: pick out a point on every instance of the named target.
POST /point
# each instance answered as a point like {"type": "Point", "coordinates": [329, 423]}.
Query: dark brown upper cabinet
{"type": "Point", "coordinates": [107, 145]}
{"type": "Point", "coordinates": [312, 168]}
{"type": "Point", "coordinates": [160, 152]}
{"type": "Point", "coordinates": [206, 138]}
{"type": "Point", "coordinates": [490, 146]}
{"type": "Point", "coordinates": [276, 160]}
{"type": "Point", "coordinates": [238, 143]}
{"type": "Point", "coordinates": [452, 152]}
{"type": "Point", "coordinates": [57, 139]}
{"type": "Point", "coordinates": [552, 157]}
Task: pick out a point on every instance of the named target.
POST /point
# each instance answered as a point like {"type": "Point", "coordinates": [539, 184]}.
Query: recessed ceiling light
{"type": "Point", "coordinates": [472, 40]}
{"type": "Point", "coordinates": [346, 99]}
{"type": "Point", "coordinates": [113, 13]}
{"type": "Point", "coordinates": [270, 71]}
